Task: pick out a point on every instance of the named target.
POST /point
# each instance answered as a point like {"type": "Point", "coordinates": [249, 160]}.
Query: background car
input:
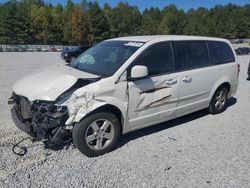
{"type": "Point", "coordinates": [70, 55]}
{"type": "Point", "coordinates": [45, 50]}
{"type": "Point", "coordinates": [1, 49]}
{"type": "Point", "coordinates": [64, 51]}
{"type": "Point", "coordinates": [22, 49]}
{"type": "Point", "coordinates": [53, 49]}
{"type": "Point", "coordinates": [38, 49]}
{"type": "Point", "coordinates": [59, 49]}
{"type": "Point", "coordinates": [15, 49]}
{"type": "Point", "coordinates": [248, 72]}
{"type": "Point", "coordinates": [7, 49]}
{"type": "Point", "coordinates": [30, 50]}
{"type": "Point", "coordinates": [242, 51]}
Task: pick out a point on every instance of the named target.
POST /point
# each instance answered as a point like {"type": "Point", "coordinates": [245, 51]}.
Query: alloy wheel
{"type": "Point", "coordinates": [99, 134]}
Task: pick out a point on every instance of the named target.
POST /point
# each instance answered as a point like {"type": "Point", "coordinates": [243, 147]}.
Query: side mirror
{"type": "Point", "coordinates": [139, 71]}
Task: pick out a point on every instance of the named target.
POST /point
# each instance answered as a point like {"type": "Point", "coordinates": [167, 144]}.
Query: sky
{"type": "Point", "coordinates": [143, 4]}
{"type": "Point", "coordinates": [184, 4]}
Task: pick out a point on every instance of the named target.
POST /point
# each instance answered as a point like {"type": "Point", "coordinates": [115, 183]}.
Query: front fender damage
{"type": "Point", "coordinates": [79, 105]}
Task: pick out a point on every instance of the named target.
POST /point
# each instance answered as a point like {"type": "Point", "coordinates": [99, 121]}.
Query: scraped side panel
{"type": "Point", "coordinates": [151, 100]}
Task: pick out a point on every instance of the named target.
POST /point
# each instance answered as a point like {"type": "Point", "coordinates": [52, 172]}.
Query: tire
{"type": "Point", "coordinates": [96, 134]}
{"type": "Point", "coordinates": [218, 103]}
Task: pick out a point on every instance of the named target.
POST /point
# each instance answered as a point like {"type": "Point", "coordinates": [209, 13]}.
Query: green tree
{"type": "Point", "coordinates": [125, 20]}
{"type": "Point", "coordinates": [98, 24]}
{"type": "Point", "coordinates": [242, 22]}
{"type": "Point", "coordinates": [67, 22]}
{"type": "Point", "coordinates": [150, 21]}
{"type": "Point", "coordinates": [173, 21]}
{"type": "Point", "coordinates": [42, 19]}
{"type": "Point", "coordinates": [80, 25]}
{"type": "Point", "coordinates": [224, 24]}
{"type": "Point", "coordinates": [34, 22]}
{"type": "Point", "coordinates": [197, 22]}
{"type": "Point", "coordinates": [2, 17]}
{"type": "Point", "coordinates": [9, 23]}
{"type": "Point", "coordinates": [23, 23]}
{"type": "Point", "coordinates": [57, 24]}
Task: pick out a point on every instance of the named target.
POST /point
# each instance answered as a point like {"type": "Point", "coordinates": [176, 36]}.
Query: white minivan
{"type": "Point", "coordinates": [124, 84]}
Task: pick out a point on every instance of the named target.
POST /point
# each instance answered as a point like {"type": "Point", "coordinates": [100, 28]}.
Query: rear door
{"type": "Point", "coordinates": [153, 99]}
{"type": "Point", "coordinates": [196, 74]}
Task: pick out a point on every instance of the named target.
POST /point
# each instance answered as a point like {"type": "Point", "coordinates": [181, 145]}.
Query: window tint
{"type": "Point", "coordinates": [158, 59]}
{"type": "Point", "coordinates": [220, 52]}
{"type": "Point", "coordinates": [190, 54]}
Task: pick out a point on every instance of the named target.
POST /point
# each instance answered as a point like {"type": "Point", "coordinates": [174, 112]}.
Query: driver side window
{"type": "Point", "coordinates": [158, 59]}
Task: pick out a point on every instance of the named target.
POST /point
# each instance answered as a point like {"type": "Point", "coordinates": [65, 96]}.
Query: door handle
{"type": "Point", "coordinates": [187, 79]}
{"type": "Point", "coordinates": [171, 82]}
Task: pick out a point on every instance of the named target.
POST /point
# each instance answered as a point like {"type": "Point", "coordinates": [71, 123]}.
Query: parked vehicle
{"type": "Point", "coordinates": [239, 41]}
{"type": "Point", "coordinates": [22, 49]}
{"type": "Point", "coordinates": [247, 50]}
{"type": "Point", "coordinates": [7, 49]}
{"type": "Point", "coordinates": [53, 49]}
{"type": "Point", "coordinates": [248, 71]}
{"type": "Point", "coordinates": [64, 51]}
{"type": "Point", "coordinates": [1, 49]}
{"type": "Point", "coordinates": [242, 51]}
{"type": "Point", "coordinates": [14, 49]}
{"type": "Point", "coordinates": [30, 50]}
{"type": "Point", "coordinates": [45, 50]}
{"type": "Point", "coordinates": [38, 49]}
{"type": "Point", "coordinates": [59, 49]}
{"type": "Point", "coordinates": [71, 55]}
{"type": "Point", "coordinates": [124, 84]}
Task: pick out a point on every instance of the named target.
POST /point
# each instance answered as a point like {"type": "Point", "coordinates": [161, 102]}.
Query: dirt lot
{"type": "Point", "coordinates": [198, 150]}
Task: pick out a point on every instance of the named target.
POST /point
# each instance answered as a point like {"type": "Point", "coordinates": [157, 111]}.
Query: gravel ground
{"type": "Point", "coordinates": [198, 150]}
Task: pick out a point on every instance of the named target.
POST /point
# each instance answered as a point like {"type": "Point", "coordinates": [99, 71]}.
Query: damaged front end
{"type": "Point", "coordinates": [48, 121]}
{"type": "Point", "coordinates": [43, 120]}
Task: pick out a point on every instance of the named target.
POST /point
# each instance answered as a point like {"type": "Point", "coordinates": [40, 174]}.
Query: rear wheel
{"type": "Point", "coordinates": [218, 103]}
{"type": "Point", "coordinates": [96, 134]}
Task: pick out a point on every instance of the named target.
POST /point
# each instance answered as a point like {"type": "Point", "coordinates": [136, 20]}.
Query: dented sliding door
{"type": "Point", "coordinates": [152, 100]}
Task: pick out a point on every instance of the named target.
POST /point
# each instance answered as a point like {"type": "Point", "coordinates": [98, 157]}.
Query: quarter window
{"type": "Point", "coordinates": [190, 55]}
{"type": "Point", "coordinates": [220, 52]}
{"type": "Point", "coordinates": [158, 59]}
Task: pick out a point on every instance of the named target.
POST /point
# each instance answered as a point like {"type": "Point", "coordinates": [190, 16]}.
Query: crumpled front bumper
{"type": "Point", "coordinates": [19, 123]}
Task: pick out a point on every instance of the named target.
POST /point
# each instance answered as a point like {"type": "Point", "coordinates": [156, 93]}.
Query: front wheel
{"type": "Point", "coordinates": [96, 134]}
{"type": "Point", "coordinates": [218, 103]}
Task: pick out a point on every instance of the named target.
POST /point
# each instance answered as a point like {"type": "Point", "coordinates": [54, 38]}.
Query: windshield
{"type": "Point", "coordinates": [106, 58]}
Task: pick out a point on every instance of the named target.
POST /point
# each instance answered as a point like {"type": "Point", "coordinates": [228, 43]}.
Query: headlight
{"type": "Point", "coordinates": [44, 107]}
{"type": "Point", "coordinates": [66, 55]}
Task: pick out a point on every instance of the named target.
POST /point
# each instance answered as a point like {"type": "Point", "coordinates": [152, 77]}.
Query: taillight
{"type": "Point", "coordinates": [238, 73]}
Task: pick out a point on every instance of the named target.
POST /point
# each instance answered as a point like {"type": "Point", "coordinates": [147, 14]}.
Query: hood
{"type": "Point", "coordinates": [48, 84]}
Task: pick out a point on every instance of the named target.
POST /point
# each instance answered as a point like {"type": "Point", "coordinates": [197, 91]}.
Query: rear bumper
{"type": "Point", "coordinates": [19, 123]}
{"type": "Point", "coordinates": [234, 87]}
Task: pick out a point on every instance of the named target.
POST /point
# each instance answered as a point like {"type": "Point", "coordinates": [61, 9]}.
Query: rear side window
{"type": "Point", "coordinates": [220, 52]}
{"type": "Point", "coordinates": [190, 55]}
{"type": "Point", "coordinates": [158, 59]}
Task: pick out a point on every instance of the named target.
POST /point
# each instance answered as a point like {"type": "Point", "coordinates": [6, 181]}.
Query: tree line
{"type": "Point", "coordinates": [34, 22]}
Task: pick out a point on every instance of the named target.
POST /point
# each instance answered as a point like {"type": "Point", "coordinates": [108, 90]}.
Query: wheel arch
{"type": "Point", "coordinates": [112, 109]}
{"type": "Point", "coordinates": [219, 84]}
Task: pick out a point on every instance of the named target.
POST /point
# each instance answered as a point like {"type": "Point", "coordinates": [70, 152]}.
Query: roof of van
{"type": "Point", "coordinates": [148, 38]}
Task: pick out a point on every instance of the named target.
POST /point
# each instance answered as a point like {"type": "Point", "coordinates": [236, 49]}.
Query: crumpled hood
{"type": "Point", "coordinates": [48, 84]}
